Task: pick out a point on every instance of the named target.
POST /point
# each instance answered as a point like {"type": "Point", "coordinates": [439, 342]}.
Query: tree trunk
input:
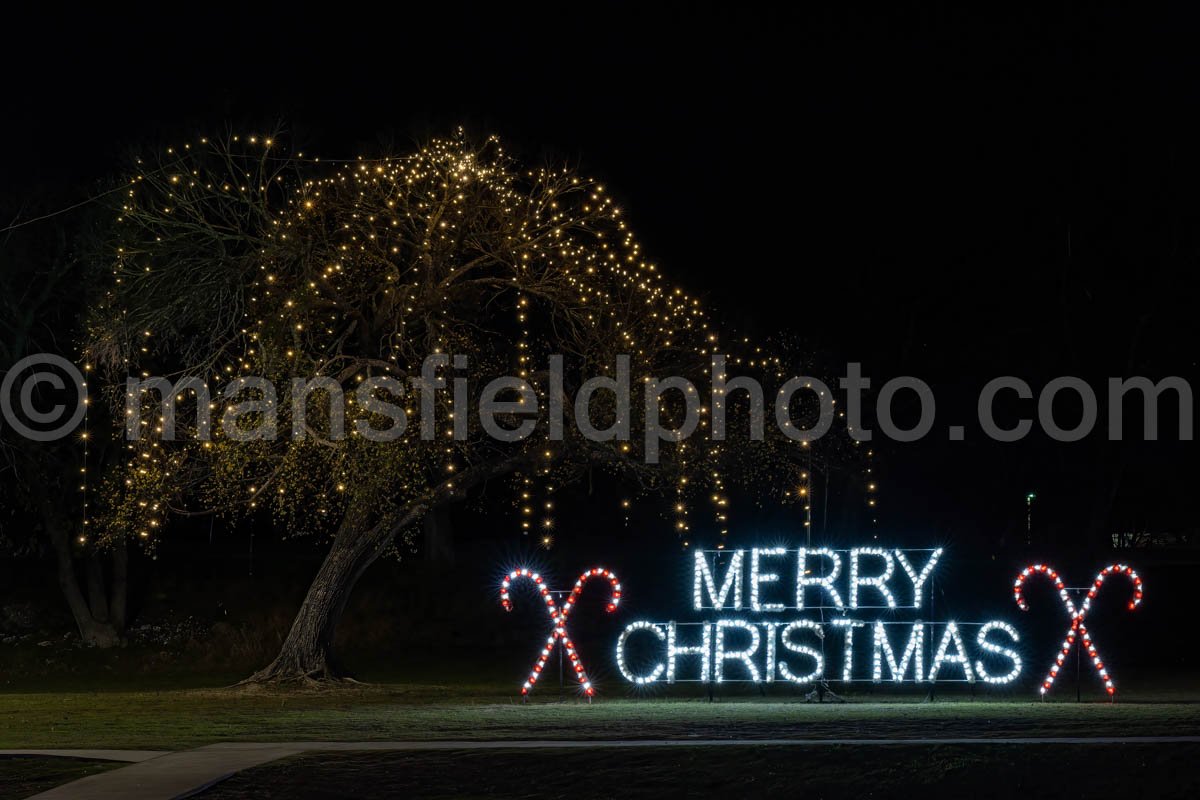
{"type": "Point", "coordinates": [92, 630]}
{"type": "Point", "coordinates": [119, 591]}
{"type": "Point", "coordinates": [307, 653]}
{"type": "Point", "coordinates": [97, 596]}
{"type": "Point", "coordinates": [439, 537]}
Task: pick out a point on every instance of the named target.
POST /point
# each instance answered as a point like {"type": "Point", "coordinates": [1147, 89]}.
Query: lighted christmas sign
{"type": "Point", "coordinates": [558, 620]}
{"type": "Point", "coordinates": [809, 615]}
{"type": "Point", "coordinates": [1077, 615]}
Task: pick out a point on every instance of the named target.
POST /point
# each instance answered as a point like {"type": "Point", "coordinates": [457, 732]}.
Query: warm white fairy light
{"type": "Point", "coordinates": [622, 665]}
{"type": "Point", "coordinates": [913, 653]}
{"type": "Point", "coordinates": [758, 577]}
{"type": "Point", "coordinates": [1006, 652]}
{"type": "Point", "coordinates": [951, 636]}
{"type": "Point", "coordinates": [702, 579]}
{"type": "Point", "coordinates": [818, 669]}
{"type": "Point", "coordinates": [878, 582]}
{"type": "Point", "coordinates": [721, 655]}
{"type": "Point", "coordinates": [569, 257]}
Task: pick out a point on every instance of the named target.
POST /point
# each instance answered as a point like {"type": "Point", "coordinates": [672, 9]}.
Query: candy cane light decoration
{"type": "Point", "coordinates": [558, 617]}
{"type": "Point", "coordinates": [1078, 628]}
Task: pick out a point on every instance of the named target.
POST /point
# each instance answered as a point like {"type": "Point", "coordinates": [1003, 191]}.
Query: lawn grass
{"type": "Point", "coordinates": [25, 775]}
{"type": "Point", "coordinates": [175, 719]}
{"type": "Point", "coordinates": [1027, 771]}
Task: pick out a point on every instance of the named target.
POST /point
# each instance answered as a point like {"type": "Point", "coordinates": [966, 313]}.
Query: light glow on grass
{"type": "Point", "coordinates": [190, 718]}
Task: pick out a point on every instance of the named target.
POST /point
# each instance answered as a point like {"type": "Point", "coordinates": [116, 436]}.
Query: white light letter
{"type": "Point", "coordinates": [803, 579]}
{"type": "Point", "coordinates": [769, 667]}
{"type": "Point", "coordinates": [848, 656]}
{"type": "Point", "coordinates": [703, 579]}
{"type": "Point", "coordinates": [804, 650]}
{"type": "Point", "coordinates": [703, 650]}
{"type": "Point", "coordinates": [1008, 653]}
{"type": "Point", "coordinates": [738, 655]}
{"type": "Point", "coordinates": [912, 651]}
{"type": "Point", "coordinates": [959, 656]}
{"type": "Point", "coordinates": [918, 579]}
{"type": "Point", "coordinates": [876, 581]}
{"type": "Point", "coordinates": [758, 578]}
{"type": "Point", "coordinates": [631, 628]}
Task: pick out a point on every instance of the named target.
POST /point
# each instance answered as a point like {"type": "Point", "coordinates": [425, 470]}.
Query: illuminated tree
{"type": "Point", "coordinates": [44, 488]}
{"type": "Point", "coordinates": [236, 260]}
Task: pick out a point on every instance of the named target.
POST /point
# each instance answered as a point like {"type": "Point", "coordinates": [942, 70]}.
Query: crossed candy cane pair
{"type": "Point", "coordinates": [1077, 615]}
{"type": "Point", "coordinates": [558, 617]}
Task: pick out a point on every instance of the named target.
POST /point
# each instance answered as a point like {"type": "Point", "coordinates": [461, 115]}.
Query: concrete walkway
{"type": "Point", "coordinates": [170, 776]}
{"type": "Point", "coordinates": [92, 755]}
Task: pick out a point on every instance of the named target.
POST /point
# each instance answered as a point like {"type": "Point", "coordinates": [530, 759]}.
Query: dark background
{"type": "Point", "coordinates": [955, 195]}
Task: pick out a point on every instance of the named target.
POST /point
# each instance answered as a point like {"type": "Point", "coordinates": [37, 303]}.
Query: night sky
{"type": "Point", "coordinates": [938, 195]}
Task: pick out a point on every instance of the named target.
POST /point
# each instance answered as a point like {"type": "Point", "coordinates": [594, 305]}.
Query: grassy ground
{"type": "Point", "coordinates": [173, 719]}
{"type": "Point", "coordinates": [168, 715]}
{"type": "Point", "coordinates": [928, 772]}
{"type": "Point", "coordinates": [21, 777]}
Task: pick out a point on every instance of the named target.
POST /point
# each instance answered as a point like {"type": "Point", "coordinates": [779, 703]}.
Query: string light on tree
{"type": "Point", "coordinates": [354, 270]}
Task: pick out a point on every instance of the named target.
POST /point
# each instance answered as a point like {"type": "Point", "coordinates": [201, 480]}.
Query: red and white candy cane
{"type": "Point", "coordinates": [559, 618]}
{"type": "Point", "coordinates": [1077, 615]}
